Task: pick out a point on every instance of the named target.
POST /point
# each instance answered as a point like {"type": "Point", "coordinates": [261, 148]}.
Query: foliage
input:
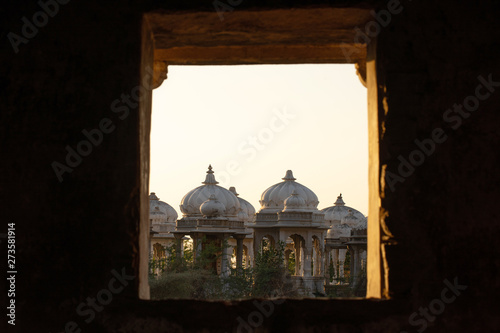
{"type": "Point", "coordinates": [291, 263]}
{"type": "Point", "coordinates": [192, 283]}
{"type": "Point", "coordinates": [183, 277]}
{"type": "Point", "coordinates": [239, 284]}
{"type": "Point", "coordinates": [332, 268]}
{"type": "Point", "coordinates": [270, 274]}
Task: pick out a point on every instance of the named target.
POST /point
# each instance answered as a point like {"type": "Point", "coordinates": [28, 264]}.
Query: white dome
{"type": "Point", "coordinates": [339, 230]}
{"type": "Point", "coordinates": [351, 220]}
{"type": "Point", "coordinates": [272, 199]}
{"type": "Point", "coordinates": [334, 214]}
{"type": "Point", "coordinates": [247, 212]}
{"type": "Point", "coordinates": [294, 203]}
{"type": "Point", "coordinates": [190, 204]}
{"type": "Point", "coordinates": [160, 211]}
{"type": "Point", "coordinates": [212, 207]}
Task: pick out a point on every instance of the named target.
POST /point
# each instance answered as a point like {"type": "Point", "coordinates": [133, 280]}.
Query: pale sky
{"type": "Point", "coordinates": [254, 122]}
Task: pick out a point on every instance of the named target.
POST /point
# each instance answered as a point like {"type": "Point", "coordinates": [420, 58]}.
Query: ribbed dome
{"type": "Point", "coordinates": [339, 230]}
{"type": "Point", "coordinates": [294, 203]}
{"type": "Point", "coordinates": [190, 204]}
{"type": "Point", "coordinates": [161, 211]}
{"type": "Point", "coordinates": [272, 199]}
{"type": "Point", "coordinates": [334, 214]}
{"type": "Point", "coordinates": [350, 219]}
{"type": "Point", "coordinates": [212, 207]}
{"type": "Point", "coordinates": [247, 212]}
{"type": "Point", "coordinates": [353, 221]}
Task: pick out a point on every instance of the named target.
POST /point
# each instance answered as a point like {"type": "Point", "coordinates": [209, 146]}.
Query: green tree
{"type": "Point", "coordinates": [291, 263]}
{"type": "Point", "coordinates": [271, 277]}
{"type": "Point", "coordinates": [184, 277]}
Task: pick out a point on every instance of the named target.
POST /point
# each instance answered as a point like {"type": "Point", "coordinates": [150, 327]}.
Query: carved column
{"type": "Point", "coordinates": [225, 256]}
{"type": "Point", "coordinates": [314, 259]}
{"type": "Point", "coordinates": [178, 245]}
{"type": "Point", "coordinates": [239, 250]}
{"type": "Point", "coordinates": [298, 257]}
{"type": "Point", "coordinates": [197, 245]}
{"type": "Point", "coordinates": [342, 254]}
{"type": "Point", "coordinates": [335, 260]}
{"type": "Point", "coordinates": [307, 261]}
{"type": "Point", "coordinates": [326, 256]}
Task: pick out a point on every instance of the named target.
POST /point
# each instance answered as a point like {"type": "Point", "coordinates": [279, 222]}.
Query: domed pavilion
{"type": "Point", "coordinates": [162, 218]}
{"type": "Point", "coordinates": [289, 214]}
{"type": "Point", "coordinates": [347, 235]}
{"type": "Point", "coordinates": [213, 214]}
{"type": "Point", "coordinates": [314, 239]}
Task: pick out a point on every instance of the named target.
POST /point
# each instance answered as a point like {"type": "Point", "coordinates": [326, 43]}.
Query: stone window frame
{"type": "Point", "coordinates": [264, 37]}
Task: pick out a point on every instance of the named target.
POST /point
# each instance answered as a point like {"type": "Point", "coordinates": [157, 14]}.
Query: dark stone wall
{"type": "Point", "coordinates": [72, 234]}
{"type": "Point", "coordinates": [443, 215]}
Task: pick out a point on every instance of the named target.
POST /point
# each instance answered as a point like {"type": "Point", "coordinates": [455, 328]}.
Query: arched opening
{"type": "Point", "coordinates": [246, 257]}
{"type": "Point", "coordinates": [267, 242]}
{"type": "Point", "coordinates": [158, 251]}
{"type": "Point", "coordinates": [297, 254]}
{"type": "Point", "coordinates": [317, 257]}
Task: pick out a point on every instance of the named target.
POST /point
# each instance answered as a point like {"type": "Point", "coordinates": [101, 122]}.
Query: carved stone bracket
{"type": "Point", "coordinates": [160, 70]}
{"type": "Point", "coordinates": [361, 71]}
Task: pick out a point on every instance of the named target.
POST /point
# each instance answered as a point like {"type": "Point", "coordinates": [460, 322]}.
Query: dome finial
{"type": "Point", "coordinates": [232, 189]}
{"type": "Point", "coordinates": [210, 178]}
{"type": "Point", "coordinates": [288, 176]}
{"type": "Point", "coordinates": [339, 201]}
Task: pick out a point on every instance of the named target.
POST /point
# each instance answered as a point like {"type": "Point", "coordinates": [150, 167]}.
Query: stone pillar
{"type": "Point", "coordinates": [314, 259]}
{"type": "Point", "coordinates": [307, 261]}
{"type": "Point", "coordinates": [363, 259]}
{"type": "Point", "coordinates": [322, 259]}
{"type": "Point", "coordinates": [250, 255]}
{"type": "Point", "coordinates": [357, 263]}
{"type": "Point", "coordinates": [178, 245]}
{"type": "Point", "coordinates": [308, 246]}
{"type": "Point", "coordinates": [298, 259]}
{"type": "Point", "coordinates": [239, 251]}
{"type": "Point", "coordinates": [197, 246]}
{"type": "Point", "coordinates": [319, 264]}
{"type": "Point", "coordinates": [224, 264]}
{"type": "Point", "coordinates": [342, 254]}
{"type": "Point", "coordinates": [326, 257]}
{"type": "Point", "coordinates": [351, 264]}
{"type": "Point", "coordinates": [335, 260]}
{"type": "Point", "coordinates": [151, 234]}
